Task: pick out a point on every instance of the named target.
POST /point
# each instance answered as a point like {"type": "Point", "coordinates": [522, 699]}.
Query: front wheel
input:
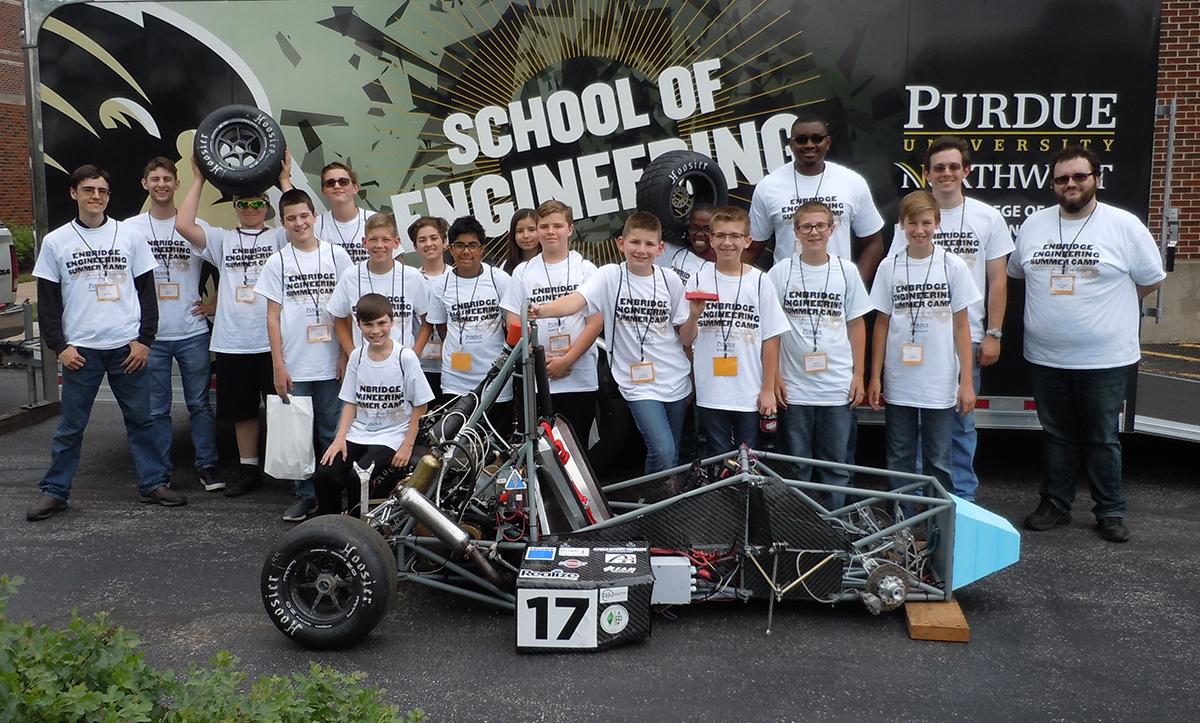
{"type": "Point", "coordinates": [329, 581]}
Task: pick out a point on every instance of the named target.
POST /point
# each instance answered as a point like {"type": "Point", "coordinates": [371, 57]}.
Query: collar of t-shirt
{"type": "Point", "coordinates": [79, 221]}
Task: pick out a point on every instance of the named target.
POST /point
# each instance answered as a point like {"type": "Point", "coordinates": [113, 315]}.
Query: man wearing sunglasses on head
{"type": "Point", "coordinates": [344, 224]}
{"type": "Point", "coordinates": [239, 337]}
{"type": "Point", "coordinates": [1086, 267]}
{"type": "Point", "coordinates": [812, 178]}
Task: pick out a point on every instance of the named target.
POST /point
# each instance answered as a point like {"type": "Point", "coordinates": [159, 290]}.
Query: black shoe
{"type": "Point", "coordinates": [163, 495]}
{"type": "Point", "coordinates": [300, 510]}
{"type": "Point", "coordinates": [209, 479]}
{"type": "Point", "coordinates": [1046, 516]}
{"type": "Point", "coordinates": [45, 508]}
{"type": "Point", "coordinates": [1113, 529]}
{"type": "Point", "coordinates": [248, 480]}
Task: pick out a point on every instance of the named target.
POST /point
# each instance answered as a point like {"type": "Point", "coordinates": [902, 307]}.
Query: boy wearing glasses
{"type": "Point", "coordinates": [812, 178]}
{"type": "Point", "coordinates": [239, 337]}
{"type": "Point", "coordinates": [734, 339]}
{"type": "Point", "coordinates": [98, 314]}
{"type": "Point", "coordinates": [569, 341]}
{"type": "Point", "coordinates": [296, 283]}
{"type": "Point", "coordinates": [822, 359]}
{"type": "Point", "coordinates": [344, 224]}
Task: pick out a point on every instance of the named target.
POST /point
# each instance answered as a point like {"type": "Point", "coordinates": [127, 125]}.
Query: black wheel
{"type": "Point", "coordinates": [675, 183]}
{"type": "Point", "coordinates": [329, 581]}
{"type": "Point", "coordinates": [239, 149]}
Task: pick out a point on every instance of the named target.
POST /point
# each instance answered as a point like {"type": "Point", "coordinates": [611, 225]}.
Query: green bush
{"type": "Point", "coordinates": [23, 242]}
{"type": "Point", "coordinates": [92, 670]}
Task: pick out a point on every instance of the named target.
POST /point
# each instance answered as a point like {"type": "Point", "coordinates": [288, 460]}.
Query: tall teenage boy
{"type": "Point", "coordinates": [296, 283]}
{"type": "Point", "coordinates": [344, 224]}
{"type": "Point", "coordinates": [734, 340]}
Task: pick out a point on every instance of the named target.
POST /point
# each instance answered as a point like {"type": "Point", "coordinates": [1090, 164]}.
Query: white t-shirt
{"type": "Point", "coordinates": [431, 355]}
{"type": "Point", "coordinates": [681, 259]}
{"type": "Point", "coordinates": [470, 309]}
{"type": "Point", "coordinates": [176, 277]}
{"type": "Point", "coordinates": [348, 235]}
{"type": "Point", "coordinates": [780, 193]}
{"type": "Point", "coordinates": [404, 286]}
{"type": "Point", "coordinates": [91, 264]}
{"type": "Point", "coordinates": [535, 281]}
{"type": "Point", "coordinates": [1095, 326]}
{"type": "Point", "coordinates": [977, 236]}
{"type": "Point", "coordinates": [384, 393]}
{"type": "Point", "coordinates": [301, 282]}
{"type": "Point", "coordinates": [736, 326]}
{"type": "Point", "coordinates": [921, 296]}
{"type": "Point", "coordinates": [640, 316]}
{"type": "Point", "coordinates": [818, 302]}
{"type": "Point", "coordinates": [241, 323]}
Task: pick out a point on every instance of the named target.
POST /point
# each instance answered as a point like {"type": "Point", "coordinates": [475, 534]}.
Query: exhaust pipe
{"type": "Point", "coordinates": [445, 530]}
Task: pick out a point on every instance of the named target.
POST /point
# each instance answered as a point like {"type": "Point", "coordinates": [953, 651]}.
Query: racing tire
{"type": "Point", "coordinates": [329, 582]}
{"type": "Point", "coordinates": [675, 183]}
{"type": "Point", "coordinates": [239, 149]}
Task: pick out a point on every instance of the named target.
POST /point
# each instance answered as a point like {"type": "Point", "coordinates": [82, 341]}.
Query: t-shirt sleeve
{"type": "Point", "coordinates": [437, 307]}
{"type": "Point", "coordinates": [761, 227]}
{"type": "Point", "coordinates": [340, 303]}
{"type": "Point", "coordinates": [513, 296]}
{"type": "Point", "coordinates": [595, 289]}
{"type": "Point", "coordinates": [881, 290]}
{"type": "Point", "coordinates": [963, 291]}
{"type": "Point", "coordinates": [349, 392]}
{"type": "Point", "coordinates": [214, 242]}
{"type": "Point", "coordinates": [418, 292]}
{"type": "Point", "coordinates": [47, 266]}
{"type": "Point", "coordinates": [416, 386]}
{"type": "Point", "coordinates": [898, 241]}
{"type": "Point", "coordinates": [270, 285]}
{"type": "Point", "coordinates": [679, 305]}
{"type": "Point", "coordinates": [866, 217]}
{"type": "Point", "coordinates": [999, 241]}
{"type": "Point", "coordinates": [773, 322]}
{"type": "Point", "coordinates": [857, 302]}
{"type": "Point", "coordinates": [1145, 264]}
{"type": "Point", "coordinates": [142, 258]}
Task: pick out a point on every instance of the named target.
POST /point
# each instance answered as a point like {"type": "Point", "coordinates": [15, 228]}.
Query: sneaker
{"type": "Point", "coordinates": [1113, 529]}
{"type": "Point", "coordinates": [209, 479]}
{"type": "Point", "coordinates": [163, 495]}
{"type": "Point", "coordinates": [45, 508]}
{"type": "Point", "coordinates": [1046, 516]}
{"type": "Point", "coordinates": [300, 509]}
{"type": "Point", "coordinates": [248, 479]}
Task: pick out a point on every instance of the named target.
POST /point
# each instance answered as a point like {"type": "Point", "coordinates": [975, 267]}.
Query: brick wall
{"type": "Point", "coordinates": [16, 204]}
{"type": "Point", "coordinates": [1179, 78]}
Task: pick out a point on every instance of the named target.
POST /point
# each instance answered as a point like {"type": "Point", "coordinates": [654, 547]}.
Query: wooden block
{"type": "Point", "coordinates": [937, 621]}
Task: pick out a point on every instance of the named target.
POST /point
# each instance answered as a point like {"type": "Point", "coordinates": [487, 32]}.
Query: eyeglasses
{"type": "Point", "coordinates": [814, 138]}
{"type": "Point", "coordinates": [943, 167]}
{"type": "Point", "coordinates": [807, 228]}
{"type": "Point", "coordinates": [251, 203]}
{"type": "Point", "coordinates": [342, 181]}
{"type": "Point", "coordinates": [93, 191]}
{"type": "Point", "coordinates": [1078, 178]}
{"type": "Point", "coordinates": [473, 246]}
{"type": "Point", "coordinates": [731, 236]}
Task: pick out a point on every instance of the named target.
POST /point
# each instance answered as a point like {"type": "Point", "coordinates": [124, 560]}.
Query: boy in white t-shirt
{"type": "Point", "coordinates": [822, 359]}
{"type": "Point", "coordinates": [569, 341]}
{"type": "Point", "coordinates": [921, 350]}
{"type": "Point", "coordinates": [385, 395]}
{"type": "Point", "coordinates": [642, 305]}
{"type": "Point", "coordinates": [734, 339]}
{"type": "Point", "coordinates": [297, 282]}
{"type": "Point", "coordinates": [382, 274]}
{"type": "Point", "coordinates": [428, 236]}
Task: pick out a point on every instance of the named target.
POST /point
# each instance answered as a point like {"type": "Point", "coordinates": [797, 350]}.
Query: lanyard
{"type": "Point", "coordinates": [1077, 234]}
{"type": "Point", "coordinates": [649, 320]}
{"type": "Point", "coordinates": [558, 323]}
{"type": "Point", "coordinates": [913, 312]}
{"type": "Point", "coordinates": [726, 330]}
{"type": "Point", "coordinates": [815, 324]}
{"type": "Point", "coordinates": [155, 242]}
{"type": "Point", "coordinates": [462, 320]}
{"type": "Point", "coordinates": [371, 284]}
{"type": "Point", "coordinates": [308, 285]}
{"type": "Point", "coordinates": [105, 261]}
{"type": "Point", "coordinates": [796, 184]}
{"type": "Point", "coordinates": [253, 248]}
{"type": "Point", "coordinates": [338, 228]}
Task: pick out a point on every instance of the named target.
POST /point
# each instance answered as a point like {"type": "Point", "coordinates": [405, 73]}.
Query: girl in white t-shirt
{"type": "Point", "coordinates": [385, 394]}
{"type": "Point", "coordinates": [921, 359]}
{"type": "Point", "coordinates": [428, 235]}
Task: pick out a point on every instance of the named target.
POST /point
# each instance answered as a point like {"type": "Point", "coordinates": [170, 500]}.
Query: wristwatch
{"type": "Point", "coordinates": [994, 332]}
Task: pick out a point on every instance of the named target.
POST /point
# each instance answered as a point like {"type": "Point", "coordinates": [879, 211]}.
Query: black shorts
{"type": "Point", "coordinates": [243, 383]}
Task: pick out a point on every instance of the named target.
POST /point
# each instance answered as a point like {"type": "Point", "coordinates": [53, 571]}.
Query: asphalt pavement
{"type": "Point", "coordinates": [1079, 629]}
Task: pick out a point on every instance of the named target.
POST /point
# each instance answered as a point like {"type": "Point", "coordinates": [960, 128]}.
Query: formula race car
{"type": "Point", "coordinates": [521, 522]}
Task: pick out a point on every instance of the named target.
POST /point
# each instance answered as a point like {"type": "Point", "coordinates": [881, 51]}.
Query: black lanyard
{"type": "Point", "coordinates": [558, 323]}
{"type": "Point", "coordinates": [727, 330]}
{"type": "Point", "coordinates": [462, 321]}
{"type": "Point", "coordinates": [649, 321]}
{"type": "Point", "coordinates": [392, 297]}
{"type": "Point", "coordinates": [105, 261]}
{"type": "Point", "coordinates": [155, 241]}
{"type": "Point", "coordinates": [815, 324]}
{"type": "Point", "coordinates": [253, 248]}
{"type": "Point", "coordinates": [308, 283]}
{"type": "Point", "coordinates": [337, 227]}
{"type": "Point", "coordinates": [1077, 234]}
{"type": "Point", "coordinates": [796, 184]}
{"type": "Point", "coordinates": [913, 311]}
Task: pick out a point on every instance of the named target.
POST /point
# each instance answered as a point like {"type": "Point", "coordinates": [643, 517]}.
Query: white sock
{"type": "Point", "coordinates": [253, 461]}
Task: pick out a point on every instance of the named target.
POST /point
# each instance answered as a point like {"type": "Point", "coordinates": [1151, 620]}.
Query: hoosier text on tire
{"type": "Point", "coordinates": [675, 183]}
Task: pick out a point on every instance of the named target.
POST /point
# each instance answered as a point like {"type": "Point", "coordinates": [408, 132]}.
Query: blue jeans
{"type": "Point", "coordinates": [660, 423]}
{"type": "Point", "coordinates": [1079, 409]}
{"type": "Point", "coordinates": [327, 410]}
{"type": "Point", "coordinates": [963, 440]}
{"type": "Point", "coordinates": [818, 433]}
{"type": "Point", "coordinates": [904, 429]}
{"type": "Point", "coordinates": [192, 356]}
{"type": "Point", "coordinates": [724, 430]}
{"type": "Point", "coordinates": [79, 388]}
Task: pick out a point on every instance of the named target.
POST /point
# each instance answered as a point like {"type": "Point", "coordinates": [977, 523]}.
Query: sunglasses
{"type": "Point", "coordinates": [814, 138]}
{"type": "Point", "coordinates": [1078, 178]}
{"type": "Point", "coordinates": [342, 181]}
{"type": "Point", "coordinates": [251, 203]}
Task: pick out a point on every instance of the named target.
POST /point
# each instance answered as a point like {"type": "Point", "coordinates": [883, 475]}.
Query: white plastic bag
{"type": "Point", "coordinates": [290, 438]}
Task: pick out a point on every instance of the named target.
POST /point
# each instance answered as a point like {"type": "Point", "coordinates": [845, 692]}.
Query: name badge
{"type": "Point", "coordinates": [432, 350]}
{"type": "Point", "coordinates": [108, 292]}
{"type": "Point", "coordinates": [816, 362]}
{"type": "Point", "coordinates": [460, 361]}
{"type": "Point", "coordinates": [1062, 284]}
{"type": "Point", "coordinates": [560, 344]}
{"type": "Point", "coordinates": [912, 354]}
{"type": "Point", "coordinates": [168, 290]}
{"type": "Point", "coordinates": [641, 372]}
{"type": "Point", "coordinates": [318, 333]}
{"type": "Point", "coordinates": [246, 295]}
{"type": "Point", "coordinates": [724, 366]}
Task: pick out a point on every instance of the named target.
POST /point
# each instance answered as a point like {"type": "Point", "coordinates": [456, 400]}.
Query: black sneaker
{"type": "Point", "coordinates": [45, 508]}
{"type": "Point", "coordinates": [248, 480]}
{"type": "Point", "coordinates": [209, 479]}
{"type": "Point", "coordinates": [163, 495]}
{"type": "Point", "coordinates": [1113, 529]}
{"type": "Point", "coordinates": [1046, 516]}
{"type": "Point", "coordinates": [300, 509]}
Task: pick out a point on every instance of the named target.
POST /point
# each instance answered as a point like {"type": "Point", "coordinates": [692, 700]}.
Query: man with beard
{"type": "Point", "coordinates": [1086, 266]}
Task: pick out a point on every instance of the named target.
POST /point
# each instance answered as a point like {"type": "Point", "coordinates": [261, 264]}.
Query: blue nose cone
{"type": "Point", "coordinates": [984, 542]}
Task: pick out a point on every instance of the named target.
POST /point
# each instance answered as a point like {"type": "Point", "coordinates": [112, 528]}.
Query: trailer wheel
{"type": "Point", "coordinates": [239, 149]}
{"type": "Point", "coordinates": [329, 581]}
{"type": "Point", "coordinates": [675, 183]}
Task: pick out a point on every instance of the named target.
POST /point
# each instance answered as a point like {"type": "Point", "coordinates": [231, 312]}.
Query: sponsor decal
{"type": "Point", "coordinates": [554, 574]}
{"type": "Point", "coordinates": [572, 563]}
{"type": "Point", "coordinates": [515, 481]}
{"type": "Point", "coordinates": [539, 553]}
{"type": "Point", "coordinates": [574, 551]}
{"type": "Point", "coordinates": [613, 595]}
{"type": "Point", "coordinates": [620, 570]}
{"type": "Point", "coordinates": [618, 549]}
{"type": "Point", "coordinates": [620, 559]}
{"type": "Point", "coordinates": [613, 619]}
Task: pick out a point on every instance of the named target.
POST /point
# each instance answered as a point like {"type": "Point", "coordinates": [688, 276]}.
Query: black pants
{"type": "Point", "coordinates": [331, 479]}
{"type": "Point", "coordinates": [580, 410]}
